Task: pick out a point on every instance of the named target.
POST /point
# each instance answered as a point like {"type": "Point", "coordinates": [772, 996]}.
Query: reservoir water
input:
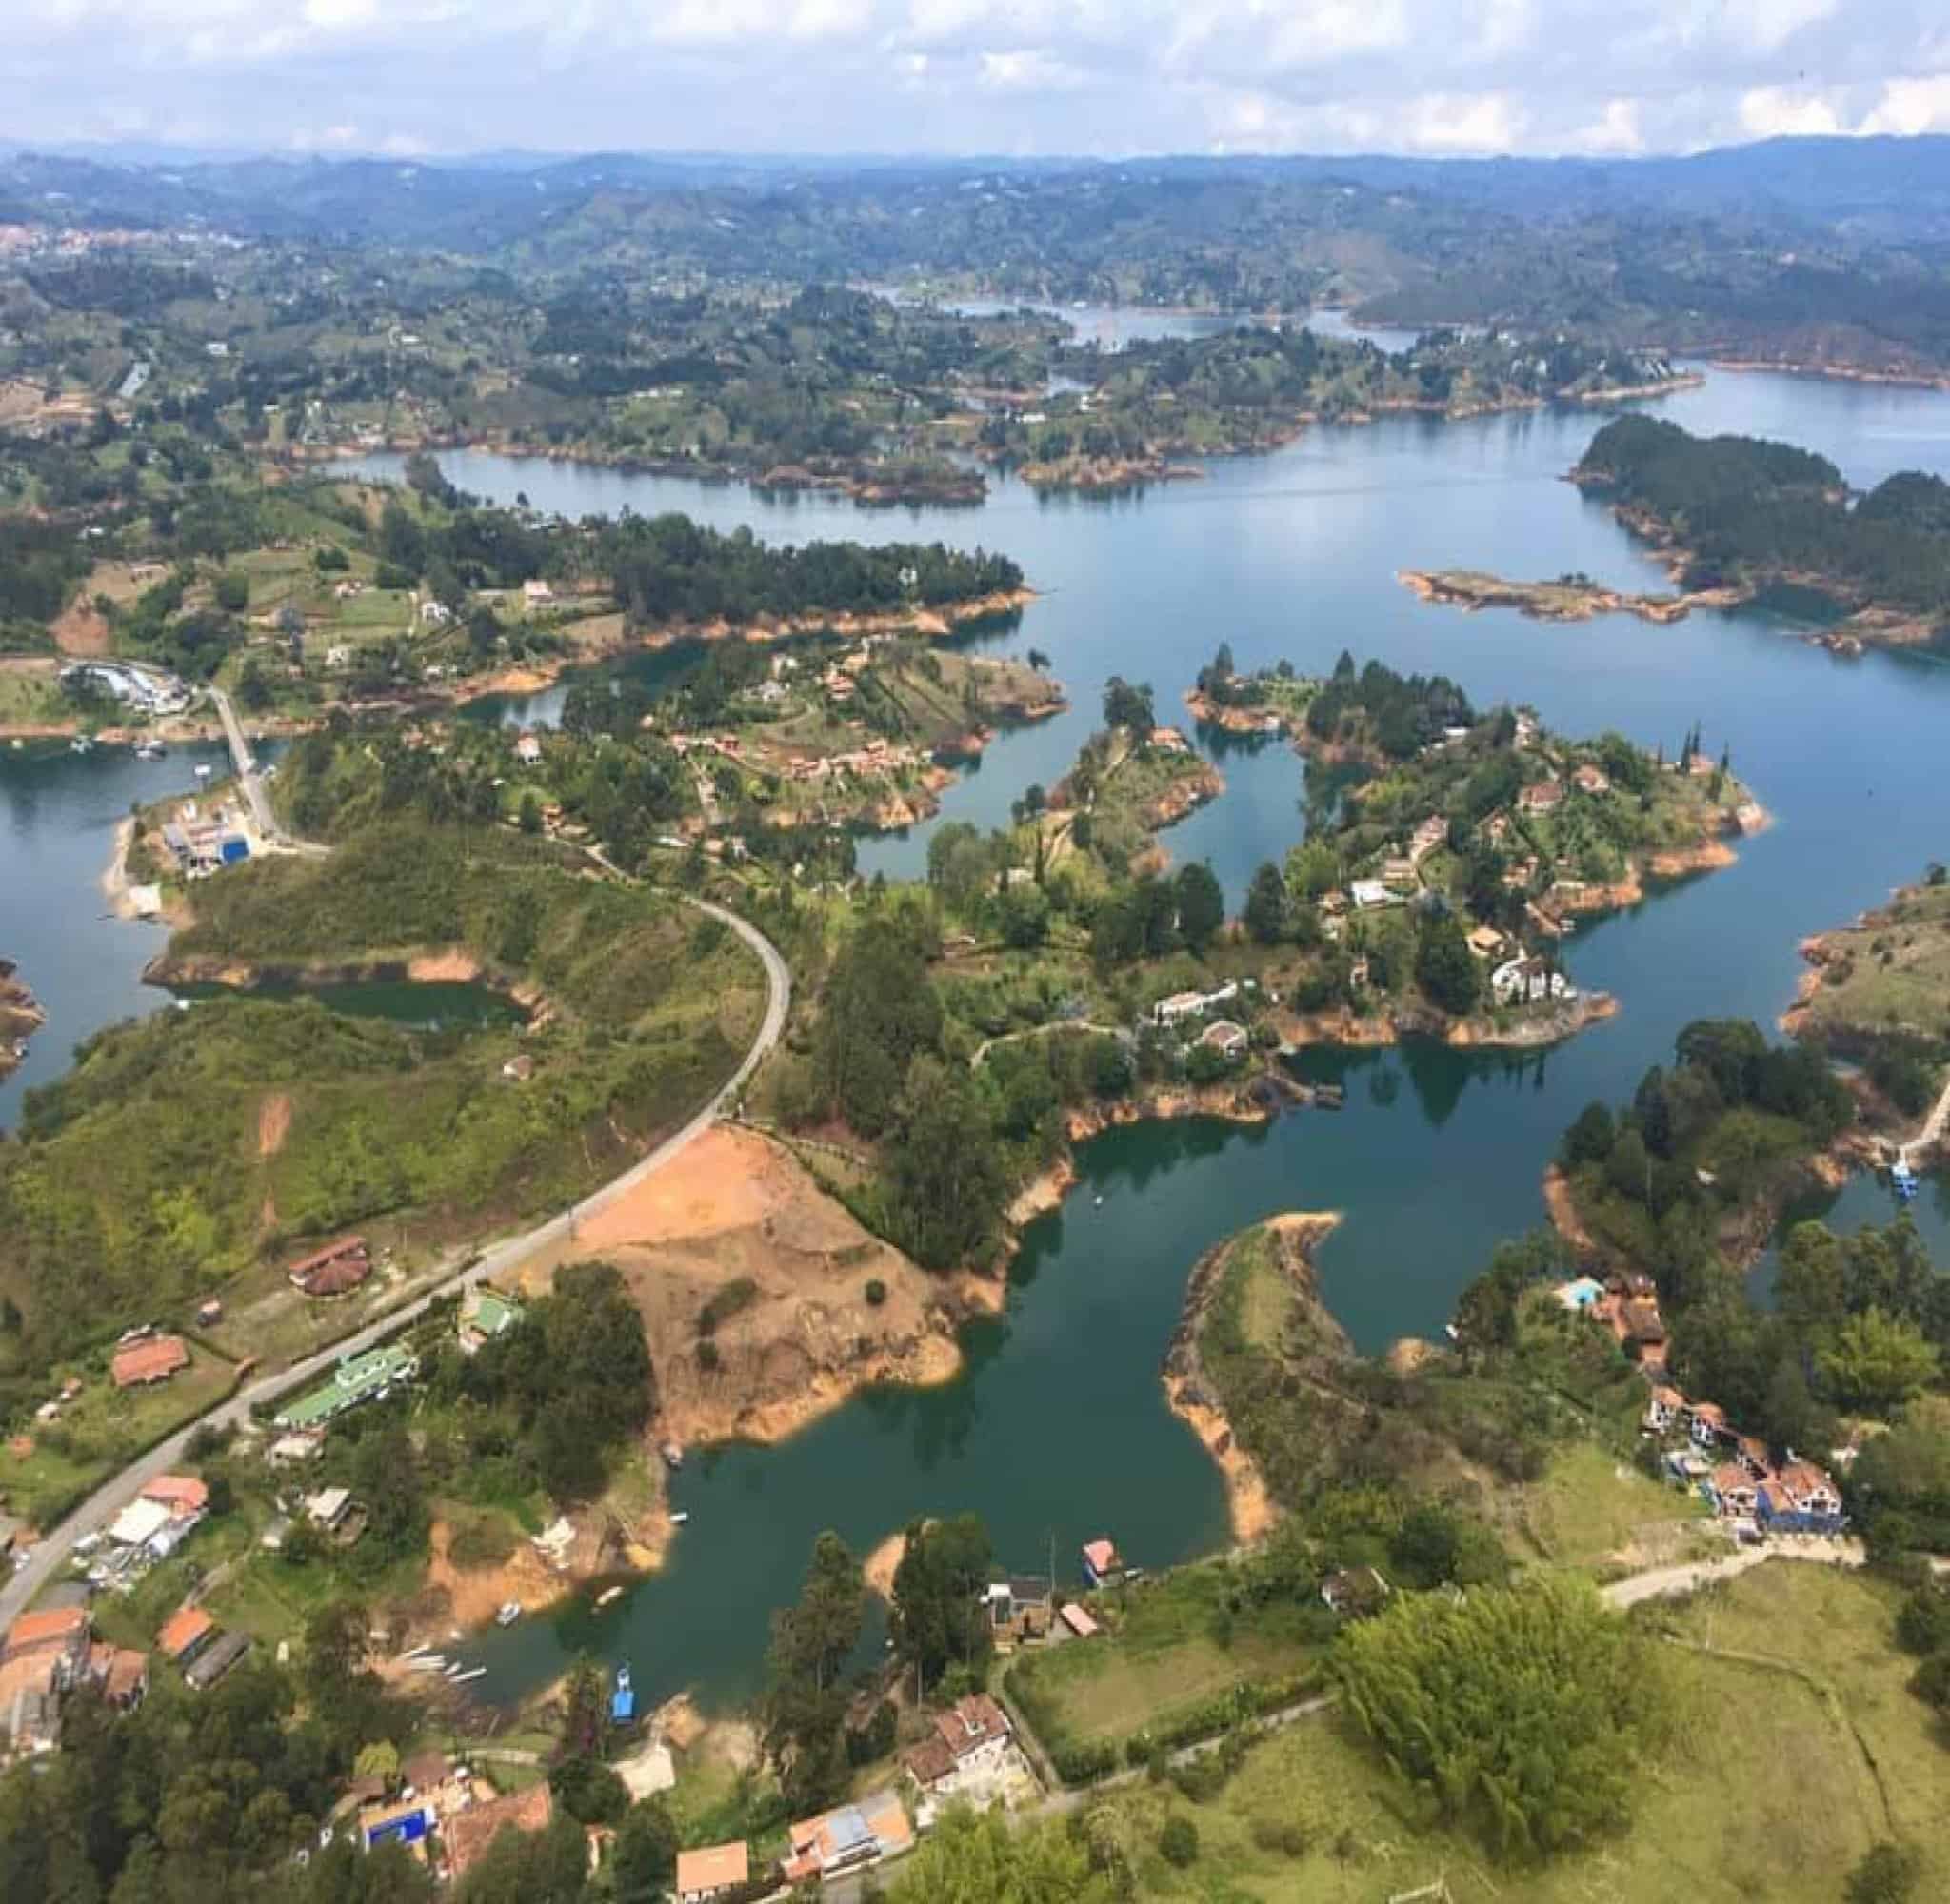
{"type": "Point", "coordinates": [1057, 1431]}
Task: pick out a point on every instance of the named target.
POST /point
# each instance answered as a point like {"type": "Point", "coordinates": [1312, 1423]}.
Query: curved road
{"type": "Point", "coordinates": [115, 1493]}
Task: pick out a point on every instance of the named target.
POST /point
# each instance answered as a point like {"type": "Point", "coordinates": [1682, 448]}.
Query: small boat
{"type": "Point", "coordinates": [81, 745]}
{"type": "Point", "coordinates": [622, 1702]}
{"type": "Point", "coordinates": [608, 1597]}
{"type": "Point", "coordinates": [1904, 1179]}
{"type": "Point", "coordinates": [474, 1672]}
{"type": "Point", "coordinates": [1098, 1200]}
{"type": "Point", "coordinates": [673, 1455]}
{"type": "Point", "coordinates": [678, 1518]}
{"type": "Point", "coordinates": [510, 1612]}
{"type": "Point", "coordinates": [151, 750]}
{"type": "Point", "coordinates": [203, 769]}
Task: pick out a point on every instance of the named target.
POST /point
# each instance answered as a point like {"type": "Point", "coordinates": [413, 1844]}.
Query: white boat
{"type": "Point", "coordinates": [510, 1612]}
{"type": "Point", "coordinates": [678, 1518]}
{"type": "Point", "coordinates": [474, 1673]}
{"type": "Point", "coordinates": [203, 769]}
{"type": "Point", "coordinates": [81, 745]}
{"type": "Point", "coordinates": [151, 750]}
{"type": "Point", "coordinates": [607, 1597]}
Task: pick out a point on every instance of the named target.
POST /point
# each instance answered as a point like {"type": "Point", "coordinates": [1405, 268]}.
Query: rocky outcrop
{"type": "Point", "coordinates": [20, 1018]}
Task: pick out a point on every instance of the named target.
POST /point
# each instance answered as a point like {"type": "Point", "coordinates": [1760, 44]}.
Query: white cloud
{"type": "Point", "coordinates": [1091, 76]}
{"type": "Point", "coordinates": [1616, 130]}
{"type": "Point", "coordinates": [1777, 112]}
{"type": "Point", "coordinates": [1450, 122]}
{"type": "Point", "coordinates": [1912, 106]}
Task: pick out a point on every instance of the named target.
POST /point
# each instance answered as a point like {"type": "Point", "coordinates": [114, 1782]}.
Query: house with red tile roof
{"type": "Point", "coordinates": [468, 1835]}
{"type": "Point", "coordinates": [183, 1494]}
{"type": "Point", "coordinates": [711, 1871]}
{"type": "Point", "coordinates": [153, 1360]}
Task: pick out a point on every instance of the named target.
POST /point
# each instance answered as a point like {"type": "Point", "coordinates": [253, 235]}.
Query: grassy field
{"type": "Point", "coordinates": [100, 1430]}
{"type": "Point", "coordinates": [1592, 1512]}
{"type": "Point", "coordinates": [1892, 974]}
{"type": "Point", "coordinates": [1170, 1647]}
{"type": "Point", "coordinates": [1761, 1792]}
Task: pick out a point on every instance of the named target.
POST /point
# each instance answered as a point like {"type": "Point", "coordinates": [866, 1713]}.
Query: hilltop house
{"type": "Point", "coordinates": [1540, 796]}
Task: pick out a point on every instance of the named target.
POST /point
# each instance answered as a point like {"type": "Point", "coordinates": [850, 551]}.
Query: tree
{"type": "Point", "coordinates": [971, 1859]}
{"type": "Point", "coordinates": [529, 813]}
{"type": "Point", "coordinates": [1265, 905]}
{"type": "Point", "coordinates": [1877, 1361]}
{"type": "Point", "coordinates": [1523, 1709]}
{"type": "Point", "coordinates": [1444, 966]}
{"type": "Point", "coordinates": [1201, 905]}
{"type": "Point", "coordinates": [233, 592]}
{"type": "Point", "coordinates": [803, 1708]}
{"type": "Point", "coordinates": [1128, 706]}
{"type": "Point", "coordinates": [645, 1854]}
{"type": "Point", "coordinates": [1590, 1136]}
{"type": "Point", "coordinates": [943, 1171]}
{"type": "Point", "coordinates": [939, 1617]}
{"type": "Point", "coordinates": [381, 1761]}
{"type": "Point", "coordinates": [1178, 1841]}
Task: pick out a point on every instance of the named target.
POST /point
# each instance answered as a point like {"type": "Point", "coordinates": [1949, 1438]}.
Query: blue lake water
{"type": "Point", "coordinates": [1057, 1429]}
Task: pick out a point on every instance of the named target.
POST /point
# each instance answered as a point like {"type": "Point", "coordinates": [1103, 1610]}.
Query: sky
{"type": "Point", "coordinates": [1105, 78]}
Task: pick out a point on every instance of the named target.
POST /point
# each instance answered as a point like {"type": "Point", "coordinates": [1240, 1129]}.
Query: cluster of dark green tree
{"type": "Point", "coordinates": [40, 562]}
{"type": "Point", "coordinates": [669, 569]}
{"type": "Point", "coordinates": [1375, 707]}
{"type": "Point", "coordinates": [1745, 509]}
{"type": "Point", "coordinates": [1519, 1712]}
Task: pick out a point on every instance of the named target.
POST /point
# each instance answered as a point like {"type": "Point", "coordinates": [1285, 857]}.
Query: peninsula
{"type": "Point", "coordinates": [1739, 519]}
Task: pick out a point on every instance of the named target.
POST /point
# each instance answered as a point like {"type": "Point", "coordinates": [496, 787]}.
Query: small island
{"type": "Point", "coordinates": [1573, 597]}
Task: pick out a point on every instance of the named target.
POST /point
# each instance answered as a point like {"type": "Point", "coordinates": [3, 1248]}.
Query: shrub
{"type": "Point", "coordinates": [876, 1293]}
{"type": "Point", "coordinates": [1923, 1625]}
{"type": "Point", "coordinates": [1288, 1838]}
{"type": "Point", "coordinates": [1886, 1874]}
{"type": "Point", "coordinates": [733, 1300]}
{"type": "Point", "coordinates": [1179, 1841]}
{"type": "Point", "coordinates": [708, 1356]}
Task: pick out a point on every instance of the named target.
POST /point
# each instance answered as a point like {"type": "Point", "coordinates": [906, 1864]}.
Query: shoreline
{"type": "Point", "coordinates": [1250, 1507]}
{"type": "Point", "coordinates": [21, 1016]}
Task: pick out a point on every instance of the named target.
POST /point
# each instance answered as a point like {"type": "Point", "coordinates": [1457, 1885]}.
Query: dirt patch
{"type": "Point", "coordinates": [1563, 1214]}
{"type": "Point", "coordinates": [453, 967]}
{"type": "Point", "coordinates": [273, 1123]}
{"type": "Point", "coordinates": [79, 629]}
{"type": "Point", "coordinates": [738, 1208]}
{"type": "Point", "coordinates": [473, 1595]}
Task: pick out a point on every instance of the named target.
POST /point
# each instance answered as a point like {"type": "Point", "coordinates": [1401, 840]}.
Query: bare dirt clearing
{"type": "Point", "coordinates": [739, 1224]}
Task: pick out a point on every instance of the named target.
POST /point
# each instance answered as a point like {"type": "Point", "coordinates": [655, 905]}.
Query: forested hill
{"type": "Point", "coordinates": [1747, 512]}
{"type": "Point", "coordinates": [667, 568]}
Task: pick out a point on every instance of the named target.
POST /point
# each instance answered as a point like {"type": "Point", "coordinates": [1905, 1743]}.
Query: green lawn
{"type": "Point", "coordinates": [1170, 1645]}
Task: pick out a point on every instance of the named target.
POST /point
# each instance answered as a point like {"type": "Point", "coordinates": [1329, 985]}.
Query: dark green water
{"type": "Point", "coordinates": [1058, 1428]}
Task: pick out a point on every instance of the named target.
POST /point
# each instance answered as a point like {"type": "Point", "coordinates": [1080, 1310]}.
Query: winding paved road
{"type": "Point", "coordinates": [115, 1493]}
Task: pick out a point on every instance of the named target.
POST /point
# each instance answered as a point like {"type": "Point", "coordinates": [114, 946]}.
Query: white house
{"type": "Point", "coordinates": [1529, 981]}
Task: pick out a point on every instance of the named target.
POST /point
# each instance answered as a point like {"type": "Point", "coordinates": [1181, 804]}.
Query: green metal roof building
{"type": "Point", "coordinates": [357, 1379]}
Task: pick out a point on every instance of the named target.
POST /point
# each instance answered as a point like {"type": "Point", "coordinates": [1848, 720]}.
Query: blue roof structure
{"type": "Point", "coordinates": [849, 1830]}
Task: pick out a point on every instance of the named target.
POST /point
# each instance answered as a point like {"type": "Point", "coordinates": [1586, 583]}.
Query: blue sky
{"type": "Point", "coordinates": [1103, 77]}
